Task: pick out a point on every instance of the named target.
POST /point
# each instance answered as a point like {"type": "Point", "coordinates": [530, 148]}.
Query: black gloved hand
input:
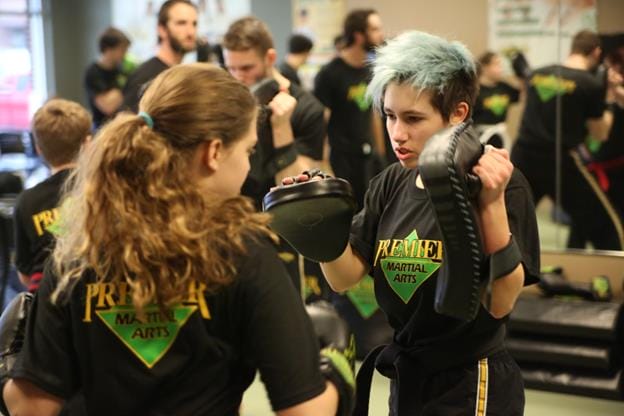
{"type": "Point", "coordinates": [12, 330]}
{"type": "Point", "coordinates": [337, 352]}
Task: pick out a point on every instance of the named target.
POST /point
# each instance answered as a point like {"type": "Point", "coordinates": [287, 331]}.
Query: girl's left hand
{"type": "Point", "coordinates": [494, 168]}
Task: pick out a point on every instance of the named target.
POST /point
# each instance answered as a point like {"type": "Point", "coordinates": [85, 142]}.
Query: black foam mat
{"type": "Point", "coordinates": [606, 386]}
{"type": "Point", "coordinates": [571, 318]}
{"type": "Point", "coordinates": [557, 352]}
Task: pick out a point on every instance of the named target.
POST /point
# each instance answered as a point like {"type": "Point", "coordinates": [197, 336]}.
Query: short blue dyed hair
{"type": "Point", "coordinates": [427, 63]}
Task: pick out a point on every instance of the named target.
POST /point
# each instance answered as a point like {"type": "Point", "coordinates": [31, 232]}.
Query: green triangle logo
{"type": "Point", "coordinates": [497, 104]}
{"type": "Point", "coordinates": [406, 274]}
{"type": "Point", "coordinates": [357, 93]}
{"type": "Point", "coordinates": [149, 341]}
{"type": "Point", "coordinates": [548, 86]}
{"type": "Point", "coordinates": [545, 92]}
{"type": "Point", "coordinates": [362, 296]}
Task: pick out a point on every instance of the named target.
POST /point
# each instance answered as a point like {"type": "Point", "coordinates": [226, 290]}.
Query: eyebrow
{"type": "Point", "coordinates": [406, 113]}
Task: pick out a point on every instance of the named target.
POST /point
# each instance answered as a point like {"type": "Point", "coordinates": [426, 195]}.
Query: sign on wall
{"type": "Point", "coordinates": [541, 29]}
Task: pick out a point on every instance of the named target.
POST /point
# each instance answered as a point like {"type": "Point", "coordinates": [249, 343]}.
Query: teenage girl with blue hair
{"type": "Point", "coordinates": [438, 364]}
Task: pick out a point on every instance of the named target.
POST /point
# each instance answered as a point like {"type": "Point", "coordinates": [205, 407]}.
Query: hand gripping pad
{"type": "Point", "coordinates": [314, 217]}
{"type": "Point", "coordinates": [445, 167]}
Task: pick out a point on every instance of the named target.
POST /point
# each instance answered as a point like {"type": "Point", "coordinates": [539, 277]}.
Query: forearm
{"type": "Point", "coordinates": [496, 235]}
{"type": "Point", "coordinates": [24, 279]}
{"type": "Point", "coordinates": [109, 101]}
{"type": "Point", "coordinates": [25, 399]}
{"type": "Point", "coordinates": [324, 404]}
{"type": "Point", "coordinates": [344, 272]}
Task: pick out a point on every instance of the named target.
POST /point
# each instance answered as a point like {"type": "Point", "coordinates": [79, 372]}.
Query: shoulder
{"type": "Point", "coordinates": [390, 178]}
{"type": "Point", "coordinates": [260, 254]}
{"type": "Point", "coordinates": [148, 70]}
{"type": "Point", "coordinates": [331, 66]}
{"type": "Point", "coordinates": [306, 101]}
{"type": "Point", "coordinates": [92, 70]}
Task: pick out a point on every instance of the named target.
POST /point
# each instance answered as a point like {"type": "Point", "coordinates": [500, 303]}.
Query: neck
{"type": "Point", "coordinates": [283, 82]}
{"type": "Point", "coordinates": [577, 61]}
{"type": "Point", "coordinates": [354, 55]}
{"type": "Point", "coordinates": [295, 61]}
{"type": "Point", "coordinates": [168, 55]}
{"type": "Point", "coordinates": [106, 62]}
{"type": "Point", "coordinates": [56, 169]}
{"type": "Point", "coordinates": [487, 81]}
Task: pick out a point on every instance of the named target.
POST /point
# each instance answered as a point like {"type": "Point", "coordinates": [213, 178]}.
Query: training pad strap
{"type": "Point", "coordinates": [505, 260]}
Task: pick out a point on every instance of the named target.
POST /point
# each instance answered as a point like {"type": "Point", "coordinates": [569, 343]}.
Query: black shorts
{"type": "Point", "coordinates": [493, 386]}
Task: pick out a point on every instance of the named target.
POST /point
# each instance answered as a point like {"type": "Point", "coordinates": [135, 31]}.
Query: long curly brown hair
{"type": "Point", "coordinates": [132, 212]}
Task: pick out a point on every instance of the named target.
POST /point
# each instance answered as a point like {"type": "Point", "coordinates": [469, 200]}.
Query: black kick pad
{"type": "Point", "coordinates": [567, 353]}
{"type": "Point", "coordinates": [574, 318]}
{"type": "Point", "coordinates": [590, 384]}
{"type": "Point", "coordinates": [445, 167]}
{"type": "Point", "coordinates": [314, 216]}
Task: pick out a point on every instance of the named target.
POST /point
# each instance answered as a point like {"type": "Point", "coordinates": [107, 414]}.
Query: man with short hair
{"type": "Point", "coordinates": [104, 79]}
{"type": "Point", "coordinates": [177, 35]}
{"type": "Point", "coordinates": [353, 131]}
{"type": "Point", "coordinates": [299, 47]}
{"type": "Point", "coordinates": [292, 140]}
{"type": "Point", "coordinates": [583, 113]}
{"type": "Point", "coordinates": [291, 135]}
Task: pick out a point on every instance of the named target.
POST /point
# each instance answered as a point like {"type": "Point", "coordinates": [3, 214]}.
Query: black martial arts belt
{"type": "Point", "coordinates": [314, 216]}
{"type": "Point", "coordinates": [445, 167]}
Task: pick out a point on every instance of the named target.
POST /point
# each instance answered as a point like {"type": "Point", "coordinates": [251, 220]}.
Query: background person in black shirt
{"type": "Point", "coordinates": [299, 48]}
{"type": "Point", "coordinates": [290, 139]}
{"type": "Point", "coordinates": [438, 364]}
{"type": "Point", "coordinates": [583, 113]}
{"type": "Point", "coordinates": [495, 97]}
{"type": "Point", "coordinates": [60, 127]}
{"type": "Point", "coordinates": [353, 132]}
{"type": "Point", "coordinates": [177, 35]}
{"type": "Point", "coordinates": [104, 79]}
{"type": "Point", "coordinates": [166, 293]}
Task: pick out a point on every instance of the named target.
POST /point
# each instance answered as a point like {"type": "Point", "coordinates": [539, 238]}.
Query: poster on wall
{"type": "Point", "coordinates": [541, 29]}
{"type": "Point", "coordinates": [138, 19]}
{"type": "Point", "coordinates": [321, 21]}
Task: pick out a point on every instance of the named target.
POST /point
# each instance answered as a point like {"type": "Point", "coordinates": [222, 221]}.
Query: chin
{"type": "Point", "coordinates": [409, 164]}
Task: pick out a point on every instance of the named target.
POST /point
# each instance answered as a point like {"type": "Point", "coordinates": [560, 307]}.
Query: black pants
{"type": "Point", "coordinates": [492, 386]}
{"type": "Point", "coordinates": [593, 217]}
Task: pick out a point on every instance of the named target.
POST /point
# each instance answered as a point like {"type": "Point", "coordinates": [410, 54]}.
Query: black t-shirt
{"type": "Point", "coordinates": [289, 72]}
{"type": "Point", "coordinates": [308, 127]}
{"type": "Point", "coordinates": [398, 213]}
{"type": "Point", "coordinates": [493, 103]}
{"type": "Point", "coordinates": [582, 98]}
{"type": "Point", "coordinates": [36, 213]}
{"type": "Point", "coordinates": [198, 360]}
{"type": "Point", "coordinates": [137, 81]}
{"type": "Point", "coordinates": [99, 80]}
{"type": "Point", "coordinates": [342, 89]}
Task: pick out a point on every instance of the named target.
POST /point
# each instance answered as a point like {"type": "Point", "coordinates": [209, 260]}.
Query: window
{"type": "Point", "coordinates": [22, 66]}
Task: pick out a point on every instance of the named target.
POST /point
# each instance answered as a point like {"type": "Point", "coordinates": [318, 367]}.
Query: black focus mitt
{"type": "Point", "coordinates": [337, 355]}
{"type": "Point", "coordinates": [313, 216]}
{"type": "Point", "coordinates": [12, 330]}
{"type": "Point", "coordinates": [446, 169]}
